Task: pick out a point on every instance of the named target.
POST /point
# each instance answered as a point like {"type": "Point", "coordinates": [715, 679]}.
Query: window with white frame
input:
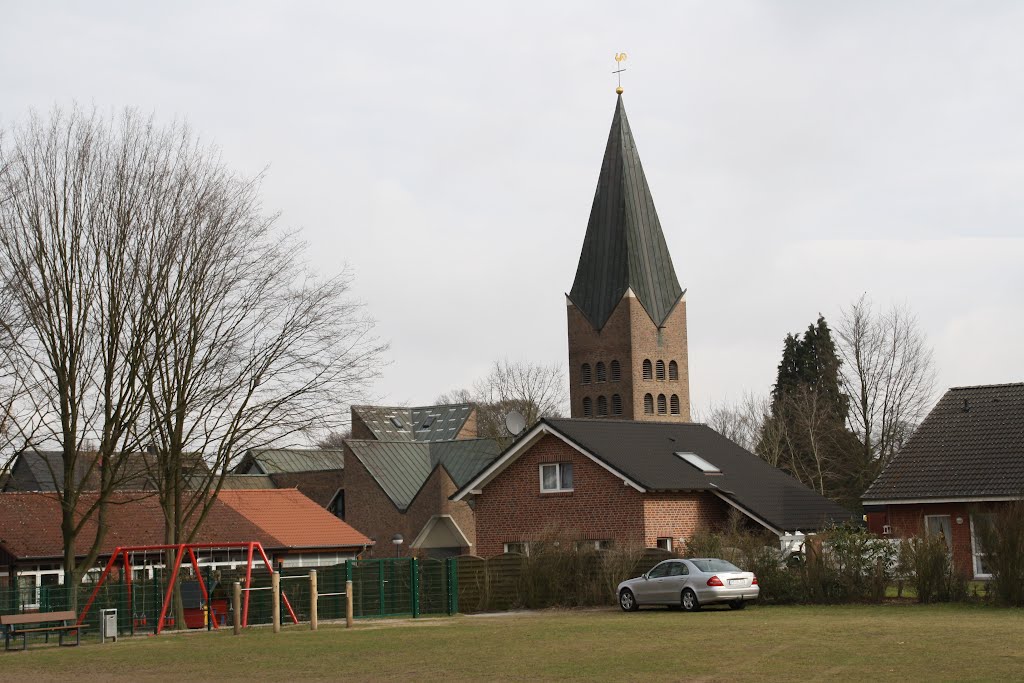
{"type": "Point", "coordinates": [981, 568]}
{"type": "Point", "coordinates": [940, 525]}
{"type": "Point", "coordinates": [556, 476]}
{"type": "Point", "coordinates": [665, 544]}
{"type": "Point", "coordinates": [520, 548]}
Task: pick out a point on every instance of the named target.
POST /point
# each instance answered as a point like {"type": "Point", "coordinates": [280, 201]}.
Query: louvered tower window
{"type": "Point", "coordinates": [585, 374]}
{"type": "Point", "coordinates": [662, 404]}
{"type": "Point", "coordinates": [616, 371]}
{"type": "Point", "coordinates": [602, 406]}
{"type": "Point", "coordinates": [648, 369]}
{"type": "Point", "coordinates": [648, 405]}
{"type": "Point", "coordinates": [673, 370]}
{"type": "Point", "coordinates": [674, 404]}
{"type": "Point", "coordinates": [660, 370]}
{"type": "Point", "coordinates": [616, 404]}
{"type": "Point", "coordinates": [588, 407]}
{"type": "Point", "coordinates": [602, 375]}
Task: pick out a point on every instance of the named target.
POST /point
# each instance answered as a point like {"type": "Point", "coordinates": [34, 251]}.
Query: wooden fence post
{"type": "Point", "coordinates": [312, 600]}
{"type": "Point", "coordinates": [236, 608]}
{"type": "Point", "coordinates": [348, 604]}
{"type": "Point", "coordinates": [275, 601]}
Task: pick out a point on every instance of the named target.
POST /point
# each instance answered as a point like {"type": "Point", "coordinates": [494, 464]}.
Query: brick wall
{"type": "Point", "coordinates": [629, 336]}
{"type": "Point", "coordinates": [908, 520]}
{"type": "Point", "coordinates": [679, 515]}
{"type": "Point", "coordinates": [600, 507]}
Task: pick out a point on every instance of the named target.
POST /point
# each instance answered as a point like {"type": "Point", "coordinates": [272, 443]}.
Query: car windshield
{"type": "Point", "coordinates": [715, 566]}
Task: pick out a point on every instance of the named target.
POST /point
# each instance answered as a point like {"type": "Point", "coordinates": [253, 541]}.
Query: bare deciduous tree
{"type": "Point", "coordinates": [740, 422]}
{"type": "Point", "coordinates": [889, 374]}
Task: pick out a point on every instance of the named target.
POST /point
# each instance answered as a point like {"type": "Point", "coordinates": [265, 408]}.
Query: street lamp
{"type": "Point", "coordinates": [398, 541]}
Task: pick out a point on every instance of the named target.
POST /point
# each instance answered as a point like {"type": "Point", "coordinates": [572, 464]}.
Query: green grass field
{"type": "Point", "coordinates": [888, 642]}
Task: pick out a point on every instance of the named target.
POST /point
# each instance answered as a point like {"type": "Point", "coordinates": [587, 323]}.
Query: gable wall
{"type": "Point", "coordinates": [469, 429]}
{"type": "Point", "coordinates": [512, 508]}
{"type": "Point", "coordinates": [369, 510]}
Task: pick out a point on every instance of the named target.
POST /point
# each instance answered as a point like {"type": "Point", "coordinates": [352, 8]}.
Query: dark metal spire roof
{"type": "Point", "coordinates": [624, 247]}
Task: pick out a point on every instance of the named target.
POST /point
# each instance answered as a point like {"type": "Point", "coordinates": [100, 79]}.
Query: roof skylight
{"type": "Point", "coordinates": [700, 463]}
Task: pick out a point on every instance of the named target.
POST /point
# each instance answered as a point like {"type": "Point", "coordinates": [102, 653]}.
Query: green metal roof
{"type": "Point", "coordinates": [402, 467]}
{"type": "Point", "coordinates": [624, 247]}
{"type": "Point", "coordinates": [424, 423]}
{"type": "Point", "coordinates": [234, 482]}
{"type": "Point", "coordinates": [277, 460]}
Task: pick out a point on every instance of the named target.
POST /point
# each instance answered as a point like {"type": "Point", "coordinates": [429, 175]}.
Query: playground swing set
{"type": "Point", "coordinates": [141, 613]}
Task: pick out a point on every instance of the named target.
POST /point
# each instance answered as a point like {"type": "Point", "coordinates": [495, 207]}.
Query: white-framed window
{"type": "Point", "coordinates": [596, 545]}
{"type": "Point", "coordinates": [556, 476]}
{"type": "Point", "coordinates": [981, 568]}
{"type": "Point", "coordinates": [665, 544]}
{"type": "Point", "coordinates": [940, 525]}
{"type": "Point", "coordinates": [518, 547]}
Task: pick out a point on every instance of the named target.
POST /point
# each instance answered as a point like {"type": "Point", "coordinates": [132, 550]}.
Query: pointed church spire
{"type": "Point", "coordinates": [624, 247]}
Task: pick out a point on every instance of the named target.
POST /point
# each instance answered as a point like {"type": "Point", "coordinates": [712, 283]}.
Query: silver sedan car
{"type": "Point", "coordinates": [690, 584]}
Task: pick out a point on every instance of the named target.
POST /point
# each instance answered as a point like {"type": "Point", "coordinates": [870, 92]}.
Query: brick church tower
{"type": "Point", "coordinates": [626, 310]}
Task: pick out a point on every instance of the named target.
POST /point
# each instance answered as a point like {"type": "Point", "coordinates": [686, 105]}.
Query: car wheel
{"type": "Point", "coordinates": [627, 601]}
{"type": "Point", "coordinates": [689, 601]}
{"type": "Point", "coordinates": [737, 604]}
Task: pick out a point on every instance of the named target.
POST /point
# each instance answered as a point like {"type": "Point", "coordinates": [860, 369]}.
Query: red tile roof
{"type": "Point", "coordinates": [279, 519]}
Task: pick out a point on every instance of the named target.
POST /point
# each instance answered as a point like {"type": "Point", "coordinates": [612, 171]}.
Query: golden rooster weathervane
{"type": "Point", "coordinates": [620, 57]}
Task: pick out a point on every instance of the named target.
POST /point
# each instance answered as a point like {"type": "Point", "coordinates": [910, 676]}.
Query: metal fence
{"type": "Point", "coordinates": [381, 588]}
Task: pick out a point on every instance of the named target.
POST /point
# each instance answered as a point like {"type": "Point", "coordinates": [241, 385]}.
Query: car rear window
{"type": "Point", "coordinates": [715, 566]}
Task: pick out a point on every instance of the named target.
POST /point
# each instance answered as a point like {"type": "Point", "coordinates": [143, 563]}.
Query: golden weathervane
{"type": "Point", "coordinates": [620, 57]}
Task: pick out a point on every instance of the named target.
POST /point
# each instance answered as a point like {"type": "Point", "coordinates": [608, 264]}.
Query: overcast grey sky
{"type": "Point", "coordinates": [800, 153]}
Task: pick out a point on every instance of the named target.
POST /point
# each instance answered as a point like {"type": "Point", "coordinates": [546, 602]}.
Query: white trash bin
{"type": "Point", "coordinates": [108, 625]}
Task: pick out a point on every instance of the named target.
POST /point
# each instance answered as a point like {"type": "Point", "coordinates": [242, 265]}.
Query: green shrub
{"type": "Point", "coordinates": [928, 565]}
{"type": "Point", "coordinates": [1001, 535]}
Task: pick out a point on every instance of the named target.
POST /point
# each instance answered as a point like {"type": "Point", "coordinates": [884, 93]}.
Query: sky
{"type": "Point", "coordinates": [799, 153]}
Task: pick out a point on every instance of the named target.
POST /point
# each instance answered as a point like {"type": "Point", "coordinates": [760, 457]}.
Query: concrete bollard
{"type": "Point", "coordinates": [236, 607]}
{"type": "Point", "coordinates": [312, 600]}
{"type": "Point", "coordinates": [275, 600]}
{"type": "Point", "coordinates": [348, 605]}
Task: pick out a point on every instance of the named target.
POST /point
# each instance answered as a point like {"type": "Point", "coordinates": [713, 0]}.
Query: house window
{"type": "Point", "coordinates": [662, 405]}
{"type": "Point", "coordinates": [665, 544]}
{"type": "Point", "coordinates": [337, 505]}
{"type": "Point", "coordinates": [602, 406]}
{"type": "Point", "coordinates": [588, 407]}
{"type": "Point", "coordinates": [673, 370]}
{"type": "Point", "coordinates": [674, 404]}
{"type": "Point", "coordinates": [585, 374]}
{"type": "Point", "coordinates": [939, 525]}
{"type": "Point", "coordinates": [981, 568]}
{"type": "Point", "coordinates": [648, 404]}
{"type": "Point", "coordinates": [602, 374]}
{"type": "Point", "coordinates": [518, 548]}
{"type": "Point", "coordinates": [648, 369]}
{"type": "Point", "coordinates": [616, 371]}
{"type": "Point", "coordinates": [659, 371]}
{"type": "Point", "coordinates": [616, 404]}
{"type": "Point", "coordinates": [556, 477]}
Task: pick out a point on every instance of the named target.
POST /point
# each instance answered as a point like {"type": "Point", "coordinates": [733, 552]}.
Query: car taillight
{"type": "Point", "coordinates": [715, 581]}
{"type": "Point", "coordinates": [754, 582]}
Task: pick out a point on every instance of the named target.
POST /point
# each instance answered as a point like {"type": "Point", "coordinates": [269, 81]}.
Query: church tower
{"type": "Point", "coordinates": [626, 310]}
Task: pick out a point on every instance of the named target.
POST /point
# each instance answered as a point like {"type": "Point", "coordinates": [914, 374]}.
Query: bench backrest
{"type": "Point", "coordinates": [37, 618]}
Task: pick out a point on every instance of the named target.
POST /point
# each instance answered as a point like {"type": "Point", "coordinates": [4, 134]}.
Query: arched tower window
{"type": "Point", "coordinates": [602, 406]}
{"type": "Point", "coordinates": [588, 407]}
{"type": "Point", "coordinates": [662, 404]}
{"type": "Point", "coordinates": [674, 404]}
{"type": "Point", "coordinates": [585, 374]}
{"type": "Point", "coordinates": [602, 375]}
{"type": "Point", "coordinates": [659, 371]}
{"type": "Point", "coordinates": [616, 371]}
{"type": "Point", "coordinates": [648, 405]}
{"type": "Point", "coordinates": [616, 404]}
{"type": "Point", "coordinates": [673, 370]}
{"type": "Point", "coordinates": [648, 369]}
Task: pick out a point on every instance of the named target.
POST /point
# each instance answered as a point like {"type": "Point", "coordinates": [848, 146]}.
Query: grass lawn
{"type": "Point", "coordinates": [887, 642]}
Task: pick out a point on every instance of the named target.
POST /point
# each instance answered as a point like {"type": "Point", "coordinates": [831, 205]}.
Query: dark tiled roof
{"type": "Point", "coordinates": [277, 460]}
{"type": "Point", "coordinates": [624, 246]}
{"type": "Point", "coordinates": [645, 452]}
{"type": "Point", "coordinates": [402, 467]}
{"type": "Point", "coordinates": [35, 470]}
{"type": "Point", "coordinates": [425, 423]}
{"type": "Point", "coordinates": [970, 445]}
{"type": "Point", "coordinates": [278, 519]}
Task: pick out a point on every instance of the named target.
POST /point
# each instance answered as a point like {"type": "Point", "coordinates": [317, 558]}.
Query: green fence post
{"type": "Point", "coordinates": [414, 582]}
{"type": "Point", "coordinates": [380, 579]}
{"type": "Point", "coordinates": [452, 584]}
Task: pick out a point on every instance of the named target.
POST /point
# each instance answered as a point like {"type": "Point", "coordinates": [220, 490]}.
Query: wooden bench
{"type": "Point", "coordinates": [15, 625]}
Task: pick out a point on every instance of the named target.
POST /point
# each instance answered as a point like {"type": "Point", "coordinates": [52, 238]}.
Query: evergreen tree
{"type": "Point", "coordinates": [806, 433]}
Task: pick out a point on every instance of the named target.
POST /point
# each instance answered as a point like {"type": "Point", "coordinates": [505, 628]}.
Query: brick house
{"type": "Point", "coordinates": [402, 466]}
{"type": "Point", "coordinates": [319, 473]}
{"type": "Point", "coordinates": [632, 483]}
{"type": "Point", "coordinates": [965, 460]}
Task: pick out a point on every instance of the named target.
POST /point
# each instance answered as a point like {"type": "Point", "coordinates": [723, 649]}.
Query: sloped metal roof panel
{"type": "Point", "coordinates": [276, 460]}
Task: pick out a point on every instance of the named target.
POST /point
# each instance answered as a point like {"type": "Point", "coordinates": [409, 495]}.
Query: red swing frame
{"type": "Point", "coordinates": [121, 553]}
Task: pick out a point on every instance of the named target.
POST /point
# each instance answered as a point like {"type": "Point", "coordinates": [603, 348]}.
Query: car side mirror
{"type": "Point", "coordinates": [645, 576]}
